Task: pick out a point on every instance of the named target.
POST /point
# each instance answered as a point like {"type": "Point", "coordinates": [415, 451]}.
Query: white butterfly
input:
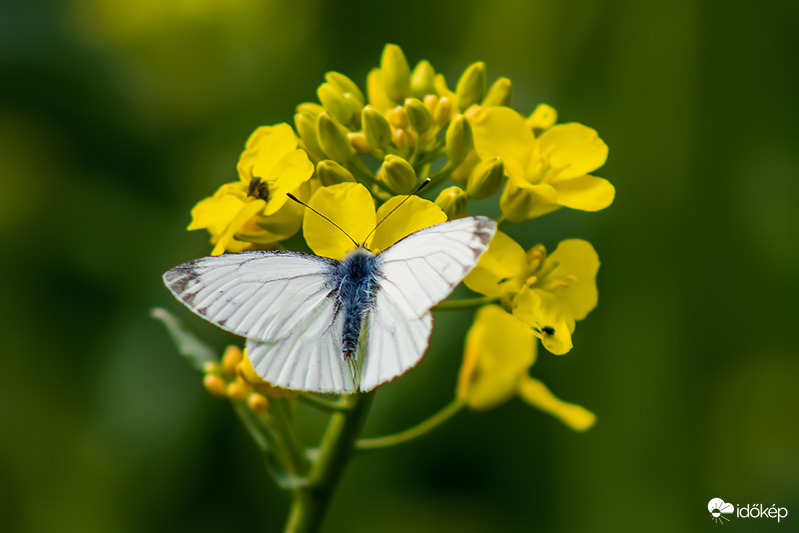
{"type": "Point", "coordinates": [317, 324]}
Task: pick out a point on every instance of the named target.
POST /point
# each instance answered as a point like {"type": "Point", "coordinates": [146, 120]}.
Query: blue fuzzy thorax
{"type": "Point", "coordinates": [357, 275]}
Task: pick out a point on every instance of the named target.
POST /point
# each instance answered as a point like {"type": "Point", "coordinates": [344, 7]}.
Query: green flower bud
{"type": "Point", "coordinates": [311, 109]}
{"type": "Point", "coordinates": [472, 86]}
{"type": "Point", "coordinates": [395, 73]}
{"type": "Point", "coordinates": [345, 85]}
{"type": "Point", "coordinates": [486, 179]}
{"type": "Point", "coordinates": [499, 93]}
{"type": "Point", "coordinates": [333, 139]}
{"type": "Point", "coordinates": [336, 104]}
{"type": "Point", "coordinates": [418, 115]}
{"type": "Point", "coordinates": [331, 173]}
{"type": "Point", "coordinates": [398, 174]}
{"type": "Point", "coordinates": [423, 80]}
{"type": "Point", "coordinates": [376, 128]}
{"type": "Point", "coordinates": [459, 139]}
{"type": "Point", "coordinates": [305, 122]}
{"type": "Point", "coordinates": [453, 202]}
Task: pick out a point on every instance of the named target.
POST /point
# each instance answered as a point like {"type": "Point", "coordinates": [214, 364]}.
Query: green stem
{"type": "Point", "coordinates": [311, 501]}
{"type": "Point", "coordinates": [414, 432]}
{"type": "Point", "coordinates": [449, 305]}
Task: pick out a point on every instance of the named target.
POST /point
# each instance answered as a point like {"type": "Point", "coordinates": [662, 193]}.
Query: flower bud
{"type": "Point", "coordinates": [376, 128]}
{"type": "Point", "coordinates": [542, 118]}
{"type": "Point", "coordinates": [311, 109]}
{"type": "Point", "coordinates": [345, 85]}
{"type": "Point", "coordinates": [459, 140]}
{"type": "Point", "coordinates": [418, 115]}
{"type": "Point", "coordinates": [359, 143]}
{"type": "Point", "coordinates": [343, 107]}
{"type": "Point", "coordinates": [443, 111]}
{"type": "Point", "coordinates": [486, 179]}
{"type": "Point", "coordinates": [215, 385]}
{"type": "Point", "coordinates": [257, 403]}
{"type": "Point", "coordinates": [331, 173]}
{"type": "Point", "coordinates": [395, 73]}
{"type": "Point", "coordinates": [398, 118]}
{"type": "Point", "coordinates": [453, 202]}
{"type": "Point", "coordinates": [499, 93]}
{"type": "Point", "coordinates": [398, 174]}
{"type": "Point", "coordinates": [333, 139]}
{"type": "Point", "coordinates": [237, 390]}
{"type": "Point", "coordinates": [403, 139]}
{"type": "Point", "coordinates": [231, 359]}
{"type": "Point", "coordinates": [472, 86]}
{"type": "Point", "coordinates": [305, 122]}
{"type": "Point", "coordinates": [423, 79]}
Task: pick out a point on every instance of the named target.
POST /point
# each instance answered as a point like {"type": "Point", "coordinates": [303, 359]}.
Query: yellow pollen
{"type": "Point", "coordinates": [532, 280]}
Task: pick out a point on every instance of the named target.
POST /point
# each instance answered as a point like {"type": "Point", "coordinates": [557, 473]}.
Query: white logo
{"type": "Point", "coordinates": [718, 508]}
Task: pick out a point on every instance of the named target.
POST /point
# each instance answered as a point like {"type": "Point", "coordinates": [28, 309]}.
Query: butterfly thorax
{"type": "Point", "coordinates": [357, 273]}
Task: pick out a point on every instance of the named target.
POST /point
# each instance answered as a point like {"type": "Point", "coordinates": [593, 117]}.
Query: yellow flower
{"type": "Point", "coordinates": [544, 173]}
{"type": "Point", "coordinates": [500, 349]}
{"type": "Point", "coordinates": [352, 208]}
{"type": "Point", "coordinates": [255, 210]}
{"type": "Point", "coordinates": [548, 292]}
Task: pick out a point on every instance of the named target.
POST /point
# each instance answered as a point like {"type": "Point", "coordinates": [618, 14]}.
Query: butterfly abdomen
{"type": "Point", "coordinates": [356, 293]}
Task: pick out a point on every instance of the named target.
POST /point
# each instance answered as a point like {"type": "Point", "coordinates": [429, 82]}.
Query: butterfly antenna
{"type": "Point", "coordinates": [321, 215]}
{"type": "Point", "coordinates": [421, 186]}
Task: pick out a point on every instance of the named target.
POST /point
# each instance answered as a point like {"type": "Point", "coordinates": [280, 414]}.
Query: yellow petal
{"type": "Point", "coordinates": [538, 395]}
{"type": "Point", "coordinates": [502, 132]}
{"type": "Point", "coordinates": [216, 212]}
{"type": "Point", "coordinates": [271, 154]}
{"type": "Point", "coordinates": [587, 193]}
{"type": "Point", "coordinates": [527, 202]}
{"type": "Point", "coordinates": [416, 213]}
{"type": "Point", "coordinates": [501, 268]}
{"type": "Point", "coordinates": [351, 207]}
{"type": "Point", "coordinates": [247, 211]}
{"type": "Point", "coordinates": [540, 310]}
{"type": "Point", "coordinates": [291, 171]}
{"type": "Point", "coordinates": [574, 148]}
{"type": "Point", "coordinates": [577, 262]}
{"type": "Point", "coordinates": [499, 349]}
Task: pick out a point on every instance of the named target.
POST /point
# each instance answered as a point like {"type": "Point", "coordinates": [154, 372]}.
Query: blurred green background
{"type": "Point", "coordinates": [115, 118]}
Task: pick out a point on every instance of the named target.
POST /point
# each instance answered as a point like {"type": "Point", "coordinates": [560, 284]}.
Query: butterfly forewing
{"type": "Point", "coordinates": [423, 268]}
{"type": "Point", "coordinates": [415, 274]}
{"type": "Point", "coordinates": [260, 295]}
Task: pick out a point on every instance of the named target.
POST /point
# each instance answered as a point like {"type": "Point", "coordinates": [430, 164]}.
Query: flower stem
{"type": "Point", "coordinates": [466, 303]}
{"type": "Point", "coordinates": [311, 500]}
{"type": "Point", "coordinates": [414, 432]}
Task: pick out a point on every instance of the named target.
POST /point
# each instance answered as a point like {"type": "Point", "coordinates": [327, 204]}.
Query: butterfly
{"type": "Point", "coordinates": [322, 325]}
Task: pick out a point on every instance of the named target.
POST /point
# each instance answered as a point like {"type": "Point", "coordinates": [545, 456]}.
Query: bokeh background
{"type": "Point", "coordinates": [116, 117]}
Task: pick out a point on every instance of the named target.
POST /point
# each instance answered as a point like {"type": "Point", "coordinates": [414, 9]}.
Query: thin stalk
{"type": "Point", "coordinates": [467, 303]}
{"type": "Point", "coordinates": [414, 432]}
{"type": "Point", "coordinates": [325, 405]}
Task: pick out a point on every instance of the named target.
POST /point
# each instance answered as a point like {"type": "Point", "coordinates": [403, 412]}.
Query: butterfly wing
{"type": "Point", "coordinates": [284, 304]}
{"type": "Point", "coordinates": [416, 273]}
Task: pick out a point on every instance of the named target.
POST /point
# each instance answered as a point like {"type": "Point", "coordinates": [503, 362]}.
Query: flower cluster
{"type": "Point", "coordinates": [354, 156]}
